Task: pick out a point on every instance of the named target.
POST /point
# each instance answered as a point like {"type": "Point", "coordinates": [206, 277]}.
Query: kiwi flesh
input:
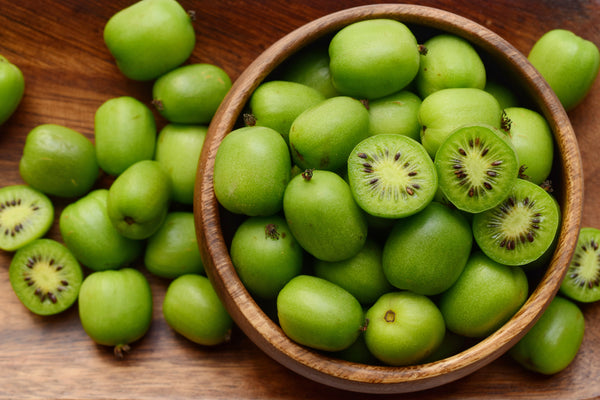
{"type": "Point", "coordinates": [26, 214]}
{"type": "Point", "coordinates": [476, 168]}
{"type": "Point", "coordinates": [521, 228]}
{"type": "Point", "coordinates": [582, 280]}
{"type": "Point", "coordinates": [45, 276]}
{"type": "Point", "coordinates": [391, 176]}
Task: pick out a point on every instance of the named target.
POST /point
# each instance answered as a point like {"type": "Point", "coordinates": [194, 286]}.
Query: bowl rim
{"type": "Point", "coordinates": [264, 332]}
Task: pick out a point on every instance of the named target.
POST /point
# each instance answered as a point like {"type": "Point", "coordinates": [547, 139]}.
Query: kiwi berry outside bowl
{"type": "Point", "coordinates": [213, 227]}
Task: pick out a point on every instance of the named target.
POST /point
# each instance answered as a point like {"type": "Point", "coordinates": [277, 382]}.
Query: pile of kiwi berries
{"type": "Point", "coordinates": [393, 199]}
{"type": "Point", "coordinates": [125, 199]}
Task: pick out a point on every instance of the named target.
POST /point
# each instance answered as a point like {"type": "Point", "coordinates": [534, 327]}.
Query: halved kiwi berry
{"type": "Point", "coordinates": [476, 168]}
{"type": "Point", "coordinates": [391, 176]}
{"type": "Point", "coordinates": [582, 281]}
{"type": "Point", "coordinates": [26, 214]}
{"type": "Point", "coordinates": [521, 228]}
{"type": "Point", "coordinates": [45, 276]}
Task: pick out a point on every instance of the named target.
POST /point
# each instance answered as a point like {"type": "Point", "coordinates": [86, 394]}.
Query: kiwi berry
{"type": "Point", "coordinates": [476, 168]}
{"type": "Point", "coordinates": [582, 281]}
{"type": "Point", "coordinates": [391, 176]}
{"type": "Point", "coordinates": [26, 214]}
{"type": "Point", "coordinates": [521, 228]}
{"type": "Point", "coordinates": [45, 276]}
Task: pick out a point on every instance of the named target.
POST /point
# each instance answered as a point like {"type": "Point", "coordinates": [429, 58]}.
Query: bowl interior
{"type": "Point", "coordinates": [214, 226]}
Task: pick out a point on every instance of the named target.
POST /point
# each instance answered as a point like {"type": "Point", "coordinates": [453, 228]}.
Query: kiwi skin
{"type": "Point", "coordinates": [45, 276]}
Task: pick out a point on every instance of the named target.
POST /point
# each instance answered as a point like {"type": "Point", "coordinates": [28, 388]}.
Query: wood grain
{"type": "Point", "coordinates": [69, 73]}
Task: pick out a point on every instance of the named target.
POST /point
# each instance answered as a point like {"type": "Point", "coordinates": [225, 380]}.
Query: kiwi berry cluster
{"type": "Point", "coordinates": [394, 195]}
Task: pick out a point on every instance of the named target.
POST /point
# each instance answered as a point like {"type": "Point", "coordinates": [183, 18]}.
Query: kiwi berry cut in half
{"type": "Point", "coordinates": [582, 281]}
{"type": "Point", "coordinates": [476, 167]}
{"type": "Point", "coordinates": [45, 276]}
{"type": "Point", "coordinates": [391, 176]}
{"type": "Point", "coordinates": [521, 228]}
{"type": "Point", "coordinates": [26, 214]}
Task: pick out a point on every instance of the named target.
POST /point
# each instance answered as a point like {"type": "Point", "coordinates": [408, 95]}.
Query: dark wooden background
{"type": "Point", "coordinates": [69, 73]}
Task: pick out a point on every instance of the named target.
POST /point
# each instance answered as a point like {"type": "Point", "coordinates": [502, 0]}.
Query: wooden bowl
{"type": "Point", "coordinates": [266, 334]}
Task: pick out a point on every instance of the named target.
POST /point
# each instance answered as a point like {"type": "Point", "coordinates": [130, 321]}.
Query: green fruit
{"type": "Point", "coordinates": [12, 88]}
{"type": "Point", "coordinates": [150, 38]}
{"type": "Point", "coordinates": [391, 176]}
{"type": "Point", "coordinates": [252, 169]}
{"type": "Point", "coordinates": [449, 61]}
{"type": "Point", "coordinates": [568, 63]}
{"type": "Point", "coordinates": [532, 139]}
{"type": "Point", "coordinates": [59, 161]}
{"type": "Point", "coordinates": [190, 94]}
{"type": "Point", "coordinates": [173, 250]}
{"type": "Point", "coordinates": [178, 149]}
{"type": "Point", "coordinates": [504, 94]}
{"type": "Point", "coordinates": [265, 255]}
{"type": "Point", "coordinates": [485, 296]}
{"type": "Point", "coordinates": [476, 166]}
{"type": "Point", "coordinates": [26, 214]}
{"type": "Point", "coordinates": [45, 277]}
{"type": "Point", "coordinates": [323, 136]}
{"type": "Point", "coordinates": [89, 233]}
{"type": "Point", "coordinates": [446, 110]}
{"type": "Point", "coordinates": [115, 307]}
{"type": "Point", "coordinates": [319, 314]}
{"type": "Point", "coordinates": [323, 216]}
{"type": "Point", "coordinates": [192, 308]}
{"type": "Point", "coordinates": [361, 275]}
{"type": "Point", "coordinates": [554, 341]}
{"type": "Point", "coordinates": [395, 114]}
{"type": "Point", "coordinates": [138, 200]}
{"type": "Point", "coordinates": [373, 58]}
{"type": "Point", "coordinates": [403, 328]}
{"type": "Point", "coordinates": [276, 104]}
{"type": "Point", "coordinates": [582, 280]}
{"type": "Point", "coordinates": [426, 253]}
{"type": "Point", "coordinates": [124, 132]}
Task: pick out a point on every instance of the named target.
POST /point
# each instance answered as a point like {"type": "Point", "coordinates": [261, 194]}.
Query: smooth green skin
{"type": "Point", "coordinates": [396, 114]}
{"type": "Point", "coordinates": [505, 96]}
{"type": "Point", "coordinates": [192, 308]}
{"type": "Point", "coordinates": [34, 219]}
{"type": "Point", "coordinates": [584, 265]}
{"type": "Point", "coordinates": [150, 38]}
{"type": "Point", "coordinates": [323, 217]}
{"type": "Point", "coordinates": [124, 133]}
{"type": "Point", "coordinates": [485, 296]}
{"type": "Point", "coordinates": [319, 314]}
{"type": "Point", "coordinates": [310, 67]}
{"type": "Point", "coordinates": [12, 88]}
{"type": "Point", "coordinates": [373, 58]}
{"type": "Point", "coordinates": [533, 141]}
{"type": "Point", "coordinates": [89, 233]}
{"type": "Point", "coordinates": [554, 341]}
{"type": "Point", "coordinates": [323, 136]}
{"type": "Point", "coordinates": [178, 149]}
{"type": "Point", "coordinates": [426, 253]}
{"type": "Point", "coordinates": [173, 250]}
{"type": "Point", "coordinates": [403, 328]}
{"type": "Point", "coordinates": [139, 199]}
{"type": "Point", "coordinates": [361, 275]}
{"type": "Point", "coordinates": [48, 278]}
{"type": "Point", "coordinates": [191, 94]}
{"type": "Point", "coordinates": [265, 255]}
{"type": "Point", "coordinates": [276, 104]}
{"type": "Point", "coordinates": [59, 161]}
{"type": "Point", "coordinates": [115, 306]}
{"type": "Point", "coordinates": [449, 62]}
{"type": "Point", "coordinates": [446, 110]}
{"type": "Point", "coordinates": [568, 63]}
{"type": "Point", "coordinates": [252, 169]}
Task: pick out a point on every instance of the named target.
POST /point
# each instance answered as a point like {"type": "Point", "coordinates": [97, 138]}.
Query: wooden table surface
{"type": "Point", "coordinates": [69, 72]}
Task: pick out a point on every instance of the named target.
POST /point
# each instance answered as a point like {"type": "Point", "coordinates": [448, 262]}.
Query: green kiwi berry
{"type": "Point", "coordinates": [582, 280]}
{"type": "Point", "coordinates": [397, 114]}
{"type": "Point", "coordinates": [12, 87]}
